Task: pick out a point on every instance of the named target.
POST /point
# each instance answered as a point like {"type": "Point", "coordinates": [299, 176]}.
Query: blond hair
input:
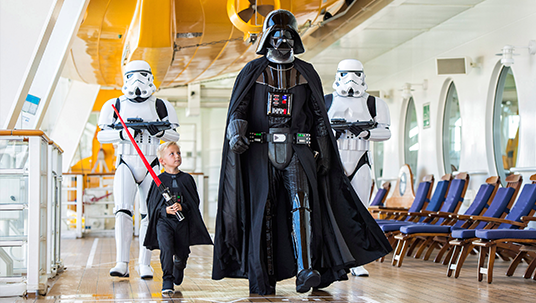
{"type": "Point", "coordinates": [163, 146]}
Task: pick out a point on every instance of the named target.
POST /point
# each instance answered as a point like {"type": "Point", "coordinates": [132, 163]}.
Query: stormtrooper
{"type": "Point", "coordinates": [276, 215]}
{"type": "Point", "coordinates": [140, 108]}
{"type": "Point", "coordinates": [351, 103]}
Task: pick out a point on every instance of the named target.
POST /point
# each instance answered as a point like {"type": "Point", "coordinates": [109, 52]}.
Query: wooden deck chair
{"type": "Point", "coordinates": [506, 237]}
{"type": "Point", "coordinates": [437, 235]}
{"type": "Point", "coordinates": [391, 213]}
{"type": "Point", "coordinates": [403, 195]}
{"type": "Point", "coordinates": [529, 247]}
{"type": "Point", "coordinates": [478, 207]}
{"type": "Point", "coordinates": [381, 195]}
{"type": "Point", "coordinates": [462, 238]}
{"type": "Point", "coordinates": [391, 228]}
{"type": "Point", "coordinates": [452, 203]}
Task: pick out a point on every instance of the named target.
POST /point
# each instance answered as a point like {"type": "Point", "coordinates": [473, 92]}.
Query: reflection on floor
{"type": "Point", "coordinates": [88, 261]}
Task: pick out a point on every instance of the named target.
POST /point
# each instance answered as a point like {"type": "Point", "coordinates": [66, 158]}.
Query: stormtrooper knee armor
{"type": "Point", "coordinates": [131, 174]}
{"type": "Point", "coordinates": [351, 102]}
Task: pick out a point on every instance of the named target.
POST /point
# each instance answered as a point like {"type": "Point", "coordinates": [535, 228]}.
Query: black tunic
{"type": "Point", "coordinates": [344, 233]}
{"type": "Point", "coordinates": [156, 205]}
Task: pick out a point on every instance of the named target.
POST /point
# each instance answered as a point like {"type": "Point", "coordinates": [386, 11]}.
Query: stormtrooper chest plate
{"type": "Point", "coordinates": [147, 112]}
{"type": "Point", "coordinates": [349, 108]}
{"type": "Point", "coordinates": [144, 110]}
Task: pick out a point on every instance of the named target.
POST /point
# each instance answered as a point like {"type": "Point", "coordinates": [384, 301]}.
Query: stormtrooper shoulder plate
{"type": "Point", "coordinates": [382, 112]}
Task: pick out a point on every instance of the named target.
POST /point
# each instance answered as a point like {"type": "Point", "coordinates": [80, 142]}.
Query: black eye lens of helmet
{"type": "Point", "coordinates": [129, 76]}
{"type": "Point", "coordinates": [344, 74]}
{"type": "Point", "coordinates": [282, 34]}
{"type": "Point", "coordinates": [144, 74]}
{"type": "Point", "coordinates": [358, 74]}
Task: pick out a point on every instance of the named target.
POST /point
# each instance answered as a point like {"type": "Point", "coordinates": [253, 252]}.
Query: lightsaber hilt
{"type": "Point", "coordinates": [170, 201]}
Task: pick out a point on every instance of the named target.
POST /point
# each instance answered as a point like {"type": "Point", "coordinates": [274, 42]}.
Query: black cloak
{"type": "Point", "coordinates": [344, 233]}
{"type": "Point", "coordinates": [190, 203]}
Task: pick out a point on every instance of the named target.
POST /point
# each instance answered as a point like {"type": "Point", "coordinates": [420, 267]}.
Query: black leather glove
{"type": "Point", "coordinates": [324, 159]}
{"type": "Point", "coordinates": [133, 133]}
{"type": "Point", "coordinates": [355, 130]}
{"type": "Point", "coordinates": [152, 129]}
{"type": "Point", "coordinates": [338, 134]}
{"type": "Point", "coordinates": [236, 133]}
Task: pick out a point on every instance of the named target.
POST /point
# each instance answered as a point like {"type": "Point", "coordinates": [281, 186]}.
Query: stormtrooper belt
{"type": "Point", "coordinates": [297, 138]}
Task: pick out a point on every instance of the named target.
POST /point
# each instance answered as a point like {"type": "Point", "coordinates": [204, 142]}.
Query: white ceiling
{"type": "Point", "coordinates": [407, 33]}
{"type": "Point", "coordinates": [392, 27]}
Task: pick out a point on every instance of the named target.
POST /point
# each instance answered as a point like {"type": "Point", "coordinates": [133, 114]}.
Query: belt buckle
{"type": "Point", "coordinates": [279, 138]}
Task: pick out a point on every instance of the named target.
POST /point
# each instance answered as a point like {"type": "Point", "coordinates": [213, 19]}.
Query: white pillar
{"type": "Point", "coordinates": [73, 118]}
{"type": "Point", "coordinates": [37, 206]}
{"type": "Point", "coordinates": [25, 28]}
{"type": "Point", "coordinates": [27, 111]}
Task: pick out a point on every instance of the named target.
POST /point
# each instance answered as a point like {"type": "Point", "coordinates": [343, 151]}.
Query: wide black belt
{"type": "Point", "coordinates": [297, 138]}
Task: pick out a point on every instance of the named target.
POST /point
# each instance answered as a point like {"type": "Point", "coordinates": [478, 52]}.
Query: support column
{"type": "Point", "coordinates": [27, 111]}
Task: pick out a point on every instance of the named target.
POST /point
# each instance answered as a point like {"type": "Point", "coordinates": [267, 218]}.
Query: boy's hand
{"type": "Point", "coordinates": [172, 209]}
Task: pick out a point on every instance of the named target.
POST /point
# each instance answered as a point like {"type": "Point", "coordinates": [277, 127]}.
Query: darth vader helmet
{"type": "Point", "coordinates": [350, 79]}
{"type": "Point", "coordinates": [280, 40]}
{"type": "Point", "coordinates": [138, 81]}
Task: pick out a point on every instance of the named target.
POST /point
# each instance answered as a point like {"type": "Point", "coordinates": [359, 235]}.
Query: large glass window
{"type": "Point", "coordinates": [505, 123]}
{"type": "Point", "coordinates": [411, 137]}
{"type": "Point", "coordinates": [452, 131]}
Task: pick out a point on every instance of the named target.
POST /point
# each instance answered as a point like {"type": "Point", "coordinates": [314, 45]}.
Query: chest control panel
{"type": "Point", "coordinates": [279, 104]}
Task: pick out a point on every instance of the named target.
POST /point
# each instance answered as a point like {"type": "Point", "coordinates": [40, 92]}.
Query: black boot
{"type": "Point", "coordinates": [307, 279]}
{"type": "Point", "coordinates": [178, 270]}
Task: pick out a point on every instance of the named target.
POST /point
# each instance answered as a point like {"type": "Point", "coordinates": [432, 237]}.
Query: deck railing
{"type": "Point", "coordinates": [30, 211]}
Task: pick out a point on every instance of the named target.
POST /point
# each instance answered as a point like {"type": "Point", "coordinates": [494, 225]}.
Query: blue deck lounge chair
{"type": "Point", "coordinates": [462, 238]}
{"type": "Point", "coordinates": [381, 195]}
{"type": "Point", "coordinates": [452, 203]}
{"type": "Point", "coordinates": [400, 214]}
{"type": "Point", "coordinates": [434, 236]}
{"type": "Point", "coordinates": [509, 232]}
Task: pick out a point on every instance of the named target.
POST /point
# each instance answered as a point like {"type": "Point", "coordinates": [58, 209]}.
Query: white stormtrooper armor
{"type": "Point", "coordinates": [131, 174]}
{"type": "Point", "coordinates": [352, 103]}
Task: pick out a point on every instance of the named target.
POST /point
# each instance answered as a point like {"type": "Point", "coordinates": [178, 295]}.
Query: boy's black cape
{"type": "Point", "coordinates": [344, 233]}
{"type": "Point", "coordinates": [155, 200]}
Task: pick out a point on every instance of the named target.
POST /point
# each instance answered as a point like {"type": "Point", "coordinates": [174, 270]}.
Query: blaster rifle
{"type": "Point", "coordinates": [138, 124]}
{"type": "Point", "coordinates": [340, 125]}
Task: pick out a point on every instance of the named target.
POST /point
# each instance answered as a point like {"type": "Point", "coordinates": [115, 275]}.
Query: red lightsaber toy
{"type": "Point", "coordinates": [170, 200]}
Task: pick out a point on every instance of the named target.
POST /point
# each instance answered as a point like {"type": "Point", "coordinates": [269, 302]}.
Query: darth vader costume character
{"type": "Point", "coordinates": [285, 207]}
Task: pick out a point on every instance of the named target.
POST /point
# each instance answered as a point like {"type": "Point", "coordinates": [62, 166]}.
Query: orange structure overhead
{"type": "Point", "coordinates": [183, 41]}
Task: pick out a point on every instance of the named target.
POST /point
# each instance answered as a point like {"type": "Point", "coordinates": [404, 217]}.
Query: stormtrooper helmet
{"type": "Point", "coordinates": [350, 79]}
{"type": "Point", "coordinates": [280, 39]}
{"type": "Point", "coordinates": [138, 81]}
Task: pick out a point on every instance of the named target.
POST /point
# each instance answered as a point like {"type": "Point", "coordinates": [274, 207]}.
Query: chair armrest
{"type": "Point", "coordinates": [376, 209]}
{"type": "Point", "coordinates": [422, 213]}
{"type": "Point", "coordinates": [497, 220]}
{"type": "Point", "coordinates": [440, 214]}
{"type": "Point", "coordinates": [461, 217]}
{"type": "Point", "coordinates": [527, 218]}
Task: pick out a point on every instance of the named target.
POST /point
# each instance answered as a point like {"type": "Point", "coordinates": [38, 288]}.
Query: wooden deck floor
{"type": "Point", "coordinates": [88, 261]}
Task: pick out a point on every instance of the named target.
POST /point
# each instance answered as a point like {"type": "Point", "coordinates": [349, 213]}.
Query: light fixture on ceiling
{"type": "Point", "coordinates": [508, 52]}
{"type": "Point", "coordinates": [407, 88]}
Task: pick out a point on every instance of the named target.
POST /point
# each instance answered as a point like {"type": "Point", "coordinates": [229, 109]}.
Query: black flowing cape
{"type": "Point", "coordinates": [344, 233]}
{"type": "Point", "coordinates": [155, 201]}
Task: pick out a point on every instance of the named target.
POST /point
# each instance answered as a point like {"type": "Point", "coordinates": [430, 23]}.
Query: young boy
{"type": "Point", "coordinates": [165, 231]}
